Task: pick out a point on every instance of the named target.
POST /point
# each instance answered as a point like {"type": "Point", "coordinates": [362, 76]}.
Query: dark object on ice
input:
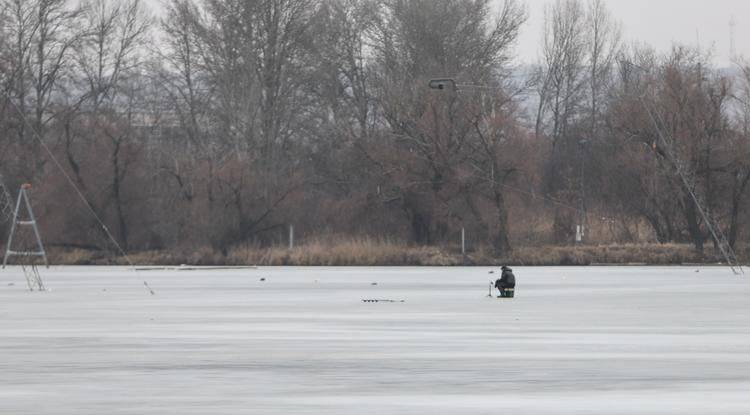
{"type": "Point", "coordinates": [507, 283]}
{"type": "Point", "coordinates": [492, 272]}
{"type": "Point", "coordinates": [507, 293]}
{"type": "Point", "coordinates": [149, 288]}
{"type": "Point", "coordinates": [10, 284]}
{"type": "Point", "coordinates": [383, 301]}
{"type": "Point", "coordinates": [374, 283]}
{"type": "Point", "coordinates": [262, 279]}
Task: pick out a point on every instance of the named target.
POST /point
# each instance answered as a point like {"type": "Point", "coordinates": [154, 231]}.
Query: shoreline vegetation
{"type": "Point", "coordinates": [388, 130]}
{"type": "Point", "coordinates": [370, 252]}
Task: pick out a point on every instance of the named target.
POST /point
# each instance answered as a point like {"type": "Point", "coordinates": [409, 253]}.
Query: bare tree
{"type": "Point", "coordinates": [109, 58]}
{"type": "Point", "coordinates": [239, 66]}
{"type": "Point", "coordinates": [246, 115]}
{"type": "Point", "coordinates": [738, 167]}
{"type": "Point", "coordinates": [563, 75]}
{"type": "Point", "coordinates": [43, 33]}
{"type": "Point", "coordinates": [604, 35]}
{"type": "Point", "coordinates": [416, 41]}
{"type": "Point", "coordinates": [181, 76]}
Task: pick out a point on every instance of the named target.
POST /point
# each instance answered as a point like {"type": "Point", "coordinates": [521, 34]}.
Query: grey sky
{"type": "Point", "coordinates": [656, 22]}
{"type": "Point", "coordinates": [662, 22]}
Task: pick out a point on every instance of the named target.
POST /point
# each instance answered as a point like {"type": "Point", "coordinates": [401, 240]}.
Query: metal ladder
{"type": "Point", "coordinates": [33, 278]}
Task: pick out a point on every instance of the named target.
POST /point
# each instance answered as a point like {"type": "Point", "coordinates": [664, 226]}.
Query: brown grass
{"type": "Point", "coordinates": [649, 254]}
{"type": "Point", "coordinates": [379, 252]}
{"type": "Point", "coordinates": [348, 252]}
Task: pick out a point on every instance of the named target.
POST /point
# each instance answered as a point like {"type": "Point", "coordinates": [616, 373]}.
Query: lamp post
{"type": "Point", "coordinates": [581, 228]}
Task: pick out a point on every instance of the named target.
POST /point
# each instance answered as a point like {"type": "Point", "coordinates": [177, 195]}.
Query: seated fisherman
{"type": "Point", "coordinates": [507, 283]}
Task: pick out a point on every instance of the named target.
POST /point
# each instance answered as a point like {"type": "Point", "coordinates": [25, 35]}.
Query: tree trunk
{"type": "Point", "coordinates": [117, 194]}
{"type": "Point", "coordinates": [419, 222]}
{"type": "Point", "coordinates": [738, 190]}
{"type": "Point", "coordinates": [691, 217]}
{"type": "Point", "coordinates": [501, 241]}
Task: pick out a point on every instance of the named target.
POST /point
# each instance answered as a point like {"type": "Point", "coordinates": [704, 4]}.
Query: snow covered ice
{"type": "Point", "coordinates": [574, 340]}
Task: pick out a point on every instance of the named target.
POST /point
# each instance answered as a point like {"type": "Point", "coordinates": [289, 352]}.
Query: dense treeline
{"type": "Point", "coordinates": [223, 121]}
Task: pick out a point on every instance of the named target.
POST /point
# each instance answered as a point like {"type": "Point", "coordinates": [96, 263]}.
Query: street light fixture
{"type": "Point", "coordinates": [443, 83]}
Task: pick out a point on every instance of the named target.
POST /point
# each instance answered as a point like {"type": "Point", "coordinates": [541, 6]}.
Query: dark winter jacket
{"type": "Point", "coordinates": [507, 280]}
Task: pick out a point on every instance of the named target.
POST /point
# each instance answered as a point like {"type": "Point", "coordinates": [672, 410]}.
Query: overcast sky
{"type": "Point", "coordinates": [662, 22]}
{"type": "Point", "coordinates": [657, 22]}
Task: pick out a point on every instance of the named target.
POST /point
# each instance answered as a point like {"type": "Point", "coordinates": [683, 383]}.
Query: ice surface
{"type": "Point", "coordinates": [574, 340]}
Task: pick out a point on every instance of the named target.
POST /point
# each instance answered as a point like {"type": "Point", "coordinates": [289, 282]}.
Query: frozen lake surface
{"type": "Point", "coordinates": [574, 340]}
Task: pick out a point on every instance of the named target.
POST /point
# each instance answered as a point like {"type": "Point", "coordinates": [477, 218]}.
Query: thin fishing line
{"type": "Point", "coordinates": [38, 137]}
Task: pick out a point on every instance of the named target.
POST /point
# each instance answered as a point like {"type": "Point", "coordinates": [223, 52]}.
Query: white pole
{"type": "Point", "coordinates": [463, 241]}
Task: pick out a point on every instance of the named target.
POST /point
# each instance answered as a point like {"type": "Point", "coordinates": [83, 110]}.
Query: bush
{"type": "Point", "coordinates": [382, 252]}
